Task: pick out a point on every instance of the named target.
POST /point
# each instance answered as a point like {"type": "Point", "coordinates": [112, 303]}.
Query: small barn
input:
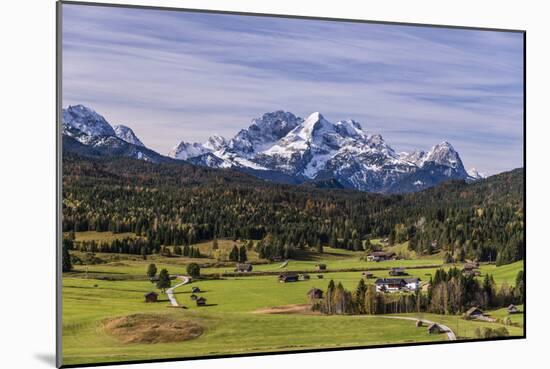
{"type": "Point", "coordinates": [368, 275]}
{"type": "Point", "coordinates": [201, 301]}
{"type": "Point", "coordinates": [381, 256]}
{"type": "Point", "coordinates": [512, 309]}
{"type": "Point", "coordinates": [195, 289]}
{"type": "Point", "coordinates": [474, 312]}
{"type": "Point", "coordinates": [285, 278]}
{"type": "Point", "coordinates": [321, 266]}
{"type": "Point", "coordinates": [151, 297]}
{"type": "Point", "coordinates": [435, 328]}
{"type": "Point", "coordinates": [397, 272]}
{"type": "Point", "coordinates": [243, 268]}
{"type": "Point", "coordinates": [315, 293]}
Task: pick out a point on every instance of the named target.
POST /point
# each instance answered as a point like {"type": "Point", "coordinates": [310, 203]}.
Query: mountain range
{"type": "Point", "coordinates": [282, 147]}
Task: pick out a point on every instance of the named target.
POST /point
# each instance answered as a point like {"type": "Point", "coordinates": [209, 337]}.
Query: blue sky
{"type": "Point", "coordinates": [175, 76]}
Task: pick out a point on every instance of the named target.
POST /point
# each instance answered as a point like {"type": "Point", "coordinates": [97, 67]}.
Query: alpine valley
{"type": "Point", "coordinates": [284, 148]}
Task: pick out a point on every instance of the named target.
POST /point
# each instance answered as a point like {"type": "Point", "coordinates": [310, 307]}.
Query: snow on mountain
{"type": "Point", "coordinates": [89, 128]}
{"type": "Point", "coordinates": [125, 133]}
{"type": "Point", "coordinates": [82, 121]}
{"type": "Point", "coordinates": [474, 174]}
{"type": "Point", "coordinates": [314, 149]}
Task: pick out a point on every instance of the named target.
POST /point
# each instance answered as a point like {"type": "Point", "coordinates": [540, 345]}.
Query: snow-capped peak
{"type": "Point", "coordinates": [127, 134]}
{"type": "Point", "coordinates": [473, 173]}
{"type": "Point", "coordinates": [86, 121]}
{"type": "Point", "coordinates": [186, 150]}
{"type": "Point", "coordinates": [443, 154]}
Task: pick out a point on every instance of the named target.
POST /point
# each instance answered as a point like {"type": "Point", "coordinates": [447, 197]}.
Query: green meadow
{"type": "Point", "coordinates": [234, 319]}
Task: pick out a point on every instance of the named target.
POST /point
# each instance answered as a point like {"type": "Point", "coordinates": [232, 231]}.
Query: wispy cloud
{"type": "Point", "coordinates": [175, 75]}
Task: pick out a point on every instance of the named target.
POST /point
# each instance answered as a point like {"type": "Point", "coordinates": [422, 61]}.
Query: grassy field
{"type": "Point", "coordinates": [231, 326]}
{"type": "Point", "coordinates": [231, 320]}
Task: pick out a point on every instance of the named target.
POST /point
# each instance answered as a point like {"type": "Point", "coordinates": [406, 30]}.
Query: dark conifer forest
{"type": "Point", "coordinates": [181, 204]}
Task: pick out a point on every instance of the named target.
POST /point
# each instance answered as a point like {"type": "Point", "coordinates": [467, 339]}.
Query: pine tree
{"type": "Point", "coordinates": [164, 280]}
{"type": "Point", "coordinates": [242, 254]}
{"type": "Point", "coordinates": [66, 265]}
{"type": "Point", "coordinates": [151, 271]}
{"type": "Point", "coordinates": [194, 270]}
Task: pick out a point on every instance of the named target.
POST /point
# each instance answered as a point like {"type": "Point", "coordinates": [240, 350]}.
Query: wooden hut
{"type": "Point", "coordinates": [290, 277]}
{"type": "Point", "coordinates": [474, 312]}
{"type": "Point", "coordinates": [315, 293]}
{"type": "Point", "coordinates": [151, 297]}
{"type": "Point", "coordinates": [243, 268]}
{"type": "Point", "coordinates": [435, 328]}
{"type": "Point", "coordinates": [512, 309]}
{"type": "Point", "coordinates": [368, 275]}
{"type": "Point", "coordinates": [397, 272]}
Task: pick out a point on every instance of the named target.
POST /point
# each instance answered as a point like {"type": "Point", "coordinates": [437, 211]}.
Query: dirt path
{"type": "Point", "coordinates": [448, 331]}
{"type": "Point", "coordinates": [170, 291]}
{"type": "Point", "coordinates": [306, 309]}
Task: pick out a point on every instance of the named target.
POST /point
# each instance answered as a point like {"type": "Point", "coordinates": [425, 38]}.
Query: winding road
{"type": "Point", "coordinates": [170, 291]}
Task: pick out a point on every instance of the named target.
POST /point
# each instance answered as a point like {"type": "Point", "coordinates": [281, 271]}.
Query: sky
{"type": "Point", "coordinates": [174, 76]}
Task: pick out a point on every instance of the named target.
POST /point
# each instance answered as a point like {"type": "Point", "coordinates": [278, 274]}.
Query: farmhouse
{"type": "Point", "coordinates": [151, 297]}
{"type": "Point", "coordinates": [381, 256]}
{"type": "Point", "coordinates": [201, 301]}
{"type": "Point", "coordinates": [321, 266]}
{"type": "Point", "coordinates": [397, 271]}
{"type": "Point", "coordinates": [512, 309]}
{"type": "Point", "coordinates": [291, 277]}
{"type": "Point", "coordinates": [315, 293]}
{"type": "Point", "coordinates": [435, 329]}
{"type": "Point", "coordinates": [243, 268]}
{"type": "Point", "coordinates": [397, 284]}
{"type": "Point", "coordinates": [390, 284]}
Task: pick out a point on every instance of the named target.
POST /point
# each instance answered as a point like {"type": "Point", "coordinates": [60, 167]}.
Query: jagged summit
{"type": "Point", "coordinates": [315, 148]}
{"type": "Point", "coordinates": [127, 134]}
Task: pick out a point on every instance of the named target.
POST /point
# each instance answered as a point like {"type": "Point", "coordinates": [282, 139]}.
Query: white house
{"type": "Point", "coordinates": [397, 284]}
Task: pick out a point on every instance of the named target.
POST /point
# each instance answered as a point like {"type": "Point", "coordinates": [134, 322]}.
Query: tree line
{"type": "Point", "coordinates": [179, 205]}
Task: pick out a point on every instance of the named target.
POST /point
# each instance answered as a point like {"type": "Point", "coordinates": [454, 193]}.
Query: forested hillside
{"type": "Point", "coordinates": [180, 204]}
